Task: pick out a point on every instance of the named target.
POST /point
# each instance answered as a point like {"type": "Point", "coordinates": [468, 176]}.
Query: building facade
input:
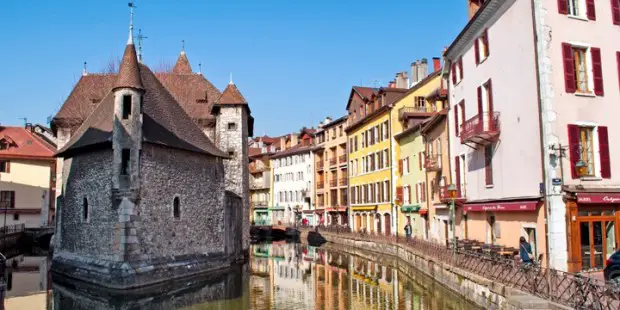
{"type": "Point", "coordinates": [27, 172]}
{"type": "Point", "coordinates": [260, 188]}
{"type": "Point", "coordinates": [293, 180]}
{"type": "Point", "coordinates": [330, 156]}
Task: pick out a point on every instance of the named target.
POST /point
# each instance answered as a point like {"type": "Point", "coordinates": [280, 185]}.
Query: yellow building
{"type": "Point", "coordinates": [408, 115]}
{"type": "Point", "coordinates": [369, 148]}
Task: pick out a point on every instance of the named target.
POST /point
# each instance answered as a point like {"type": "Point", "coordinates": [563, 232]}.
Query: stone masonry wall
{"type": "Point", "coordinates": [237, 173]}
{"type": "Point", "coordinates": [198, 181]}
{"type": "Point", "coordinates": [88, 176]}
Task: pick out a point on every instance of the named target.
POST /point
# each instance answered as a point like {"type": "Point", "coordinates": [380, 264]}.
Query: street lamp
{"type": "Point", "coordinates": [581, 167]}
{"type": "Point", "coordinates": [452, 194]}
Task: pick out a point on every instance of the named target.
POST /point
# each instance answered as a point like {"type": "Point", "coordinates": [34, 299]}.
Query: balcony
{"type": "Point", "coordinates": [320, 185]}
{"type": "Point", "coordinates": [333, 183]}
{"type": "Point", "coordinates": [259, 204]}
{"type": "Point", "coordinates": [417, 111]}
{"type": "Point", "coordinates": [319, 165]}
{"type": "Point", "coordinates": [332, 161]}
{"type": "Point", "coordinates": [342, 159]}
{"type": "Point", "coordinates": [444, 194]}
{"type": "Point", "coordinates": [481, 129]}
{"type": "Point", "coordinates": [259, 184]}
{"type": "Point", "coordinates": [343, 182]}
{"type": "Point", "coordinates": [433, 162]}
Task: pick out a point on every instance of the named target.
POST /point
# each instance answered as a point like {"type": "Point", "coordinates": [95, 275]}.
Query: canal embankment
{"type": "Point", "coordinates": [479, 290]}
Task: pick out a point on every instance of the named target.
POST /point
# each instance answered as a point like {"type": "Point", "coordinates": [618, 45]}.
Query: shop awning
{"type": "Point", "coordinates": [320, 211]}
{"type": "Point", "coordinates": [598, 198]}
{"type": "Point", "coordinates": [410, 208]}
{"type": "Point", "coordinates": [423, 211]}
{"type": "Point", "coordinates": [511, 206]}
{"type": "Point", "coordinates": [364, 208]}
{"type": "Point", "coordinates": [277, 208]}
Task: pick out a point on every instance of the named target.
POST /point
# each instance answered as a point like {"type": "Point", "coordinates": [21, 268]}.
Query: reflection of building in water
{"type": "Point", "coordinates": [261, 270]}
{"type": "Point", "coordinates": [293, 278]}
{"type": "Point", "coordinates": [373, 284]}
{"type": "Point", "coordinates": [27, 275]}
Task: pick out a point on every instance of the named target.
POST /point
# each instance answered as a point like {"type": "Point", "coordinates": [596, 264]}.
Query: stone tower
{"type": "Point", "coordinates": [234, 124]}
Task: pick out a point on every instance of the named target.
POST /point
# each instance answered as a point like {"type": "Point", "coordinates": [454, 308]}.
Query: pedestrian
{"type": "Point", "coordinates": [408, 230]}
{"type": "Point", "coordinates": [525, 251]}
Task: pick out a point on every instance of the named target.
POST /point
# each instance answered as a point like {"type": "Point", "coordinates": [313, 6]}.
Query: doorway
{"type": "Point", "coordinates": [597, 238]}
{"type": "Point", "coordinates": [388, 225]}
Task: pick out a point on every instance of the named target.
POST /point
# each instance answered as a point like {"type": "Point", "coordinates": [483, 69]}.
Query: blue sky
{"type": "Point", "coordinates": [294, 61]}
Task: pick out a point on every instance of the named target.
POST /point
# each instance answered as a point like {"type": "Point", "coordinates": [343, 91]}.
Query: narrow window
{"type": "Point", "coordinates": [176, 207]}
{"type": "Point", "coordinates": [4, 166]}
{"type": "Point", "coordinates": [586, 148]}
{"type": "Point", "coordinates": [232, 126]}
{"type": "Point", "coordinates": [7, 199]}
{"type": "Point", "coordinates": [231, 153]}
{"type": "Point", "coordinates": [85, 209]}
{"type": "Point", "coordinates": [581, 69]}
{"type": "Point", "coordinates": [125, 161]}
{"type": "Point", "coordinates": [126, 106]}
{"type": "Point", "coordinates": [488, 164]}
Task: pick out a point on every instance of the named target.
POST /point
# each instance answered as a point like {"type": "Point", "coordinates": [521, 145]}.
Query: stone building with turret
{"type": "Point", "coordinates": [153, 176]}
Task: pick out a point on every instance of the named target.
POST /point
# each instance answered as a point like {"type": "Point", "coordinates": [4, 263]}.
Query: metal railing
{"type": "Point", "coordinates": [333, 183]}
{"type": "Point", "coordinates": [432, 162]}
{"type": "Point", "coordinates": [484, 123]}
{"type": "Point", "coordinates": [343, 182]}
{"type": "Point", "coordinates": [319, 165]}
{"type": "Point", "coordinates": [333, 161]}
{"type": "Point", "coordinates": [569, 289]}
{"type": "Point", "coordinates": [415, 109]}
{"type": "Point", "coordinates": [11, 229]}
{"type": "Point", "coordinates": [342, 159]}
{"type": "Point", "coordinates": [320, 185]}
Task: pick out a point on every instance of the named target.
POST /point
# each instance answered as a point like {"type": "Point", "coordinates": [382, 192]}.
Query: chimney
{"type": "Point", "coordinates": [29, 127]}
{"type": "Point", "coordinates": [414, 72]}
{"type": "Point", "coordinates": [472, 8]}
{"type": "Point", "coordinates": [422, 69]}
{"type": "Point", "coordinates": [436, 64]}
{"type": "Point", "coordinates": [294, 139]}
{"type": "Point", "coordinates": [392, 84]}
{"type": "Point", "coordinates": [401, 80]}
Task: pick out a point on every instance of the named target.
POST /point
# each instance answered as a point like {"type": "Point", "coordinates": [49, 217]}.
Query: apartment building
{"type": "Point", "coordinates": [260, 187]}
{"type": "Point", "coordinates": [369, 147]}
{"type": "Point", "coordinates": [330, 156]}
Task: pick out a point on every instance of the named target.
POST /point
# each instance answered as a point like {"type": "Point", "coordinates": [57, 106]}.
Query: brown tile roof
{"type": "Point", "coordinates": [299, 148]}
{"type": "Point", "coordinates": [182, 66]}
{"type": "Point", "coordinates": [193, 91]}
{"type": "Point", "coordinates": [253, 151]}
{"type": "Point", "coordinates": [129, 72]}
{"type": "Point", "coordinates": [164, 123]}
{"type": "Point", "coordinates": [231, 95]}
{"type": "Point", "coordinates": [364, 92]}
{"type": "Point", "coordinates": [23, 143]}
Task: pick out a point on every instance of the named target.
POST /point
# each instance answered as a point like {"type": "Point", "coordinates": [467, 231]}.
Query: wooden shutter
{"type": "Point", "coordinates": [456, 120]}
{"type": "Point", "coordinates": [485, 42]}
{"type": "Point", "coordinates": [423, 191]}
{"type": "Point", "coordinates": [409, 193]}
{"type": "Point", "coordinates": [597, 70]}
{"type": "Point", "coordinates": [399, 193]}
{"type": "Point", "coordinates": [615, 11]}
{"type": "Point", "coordinates": [569, 68]}
{"type": "Point", "coordinates": [417, 193]}
{"type": "Point", "coordinates": [420, 160]}
{"type": "Point", "coordinates": [461, 68]}
{"type": "Point", "coordinates": [477, 50]}
{"type": "Point", "coordinates": [453, 73]}
{"type": "Point", "coordinates": [590, 10]}
{"type": "Point", "coordinates": [573, 147]}
{"type": "Point", "coordinates": [480, 109]}
{"type": "Point", "coordinates": [457, 171]}
{"type": "Point", "coordinates": [8, 166]}
{"type": "Point", "coordinates": [400, 166]}
{"type": "Point", "coordinates": [488, 165]}
{"type": "Point", "coordinates": [408, 166]}
{"type": "Point", "coordinates": [563, 7]}
{"type": "Point", "coordinates": [490, 90]}
{"type": "Point", "coordinates": [603, 145]}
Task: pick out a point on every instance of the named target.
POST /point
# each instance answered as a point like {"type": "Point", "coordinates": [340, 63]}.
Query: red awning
{"type": "Point", "coordinates": [502, 206]}
{"type": "Point", "coordinates": [599, 198]}
{"type": "Point", "coordinates": [423, 212]}
{"type": "Point", "coordinates": [319, 211]}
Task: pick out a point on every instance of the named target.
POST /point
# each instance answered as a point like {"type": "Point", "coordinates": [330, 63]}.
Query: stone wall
{"type": "Point", "coordinates": [479, 290]}
{"type": "Point", "coordinates": [235, 142]}
{"type": "Point", "coordinates": [87, 176]}
{"type": "Point", "coordinates": [198, 182]}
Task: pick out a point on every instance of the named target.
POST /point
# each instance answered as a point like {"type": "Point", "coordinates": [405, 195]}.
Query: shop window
{"type": "Point", "coordinates": [530, 237]}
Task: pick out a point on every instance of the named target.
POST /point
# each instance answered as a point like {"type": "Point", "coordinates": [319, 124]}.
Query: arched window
{"type": "Point", "coordinates": [176, 207]}
{"type": "Point", "coordinates": [85, 209]}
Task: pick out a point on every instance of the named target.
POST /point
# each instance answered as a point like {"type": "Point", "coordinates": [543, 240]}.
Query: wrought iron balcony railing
{"type": "Point", "coordinates": [432, 162]}
{"type": "Point", "coordinates": [481, 129]}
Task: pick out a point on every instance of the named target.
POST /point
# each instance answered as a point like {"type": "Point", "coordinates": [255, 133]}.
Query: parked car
{"type": "Point", "coordinates": [612, 268]}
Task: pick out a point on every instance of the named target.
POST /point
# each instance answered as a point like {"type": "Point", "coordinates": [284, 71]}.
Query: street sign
{"type": "Point", "coordinates": [556, 181]}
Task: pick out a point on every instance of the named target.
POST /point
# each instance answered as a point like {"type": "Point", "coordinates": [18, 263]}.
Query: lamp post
{"type": "Point", "coordinates": [452, 194]}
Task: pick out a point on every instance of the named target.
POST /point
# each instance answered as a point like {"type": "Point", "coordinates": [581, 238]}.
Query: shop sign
{"type": "Point", "coordinates": [598, 198]}
{"type": "Point", "coordinates": [502, 207]}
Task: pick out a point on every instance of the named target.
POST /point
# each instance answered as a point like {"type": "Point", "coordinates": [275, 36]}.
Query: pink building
{"type": "Point", "coordinates": [534, 87]}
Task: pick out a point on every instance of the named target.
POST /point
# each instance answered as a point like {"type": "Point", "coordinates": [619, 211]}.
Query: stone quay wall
{"type": "Point", "coordinates": [474, 288]}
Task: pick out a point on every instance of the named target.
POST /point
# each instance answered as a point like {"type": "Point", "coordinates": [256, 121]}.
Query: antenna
{"type": "Point", "coordinates": [25, 120]}
{"type": "Point", "coordinates": [140, 37]}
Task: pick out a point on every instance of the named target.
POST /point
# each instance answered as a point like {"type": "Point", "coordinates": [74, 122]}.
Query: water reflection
{"type": "Point", "coordinates": [279, 276]}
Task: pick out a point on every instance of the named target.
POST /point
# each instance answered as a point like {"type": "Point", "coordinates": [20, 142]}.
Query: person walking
{"type": "Point", "coordinates": [525, 251]}
{"type": "Point", "coordinates": [408, 230]}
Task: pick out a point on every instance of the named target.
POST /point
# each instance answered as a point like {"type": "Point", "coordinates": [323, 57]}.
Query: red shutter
{"type": "Point", "coordinates": [480, 106]}
{"type": "Point", "coordinates": [569, 68]}
{"type": "Point", "coordinates": [456, 120]}
{"type": "Point", "coordinates": [409, 193]}
{"type": "Point", "coordinates": [423, 191]}
{"type": "Point", "coordinates": [590, 10]}
{"type": "Point", "coordinates": [461, 68]}
{"type": "Point", "coordinates": [563, 7]}
{"type": "Point", "coordinates": [453, 73]}
{"type": "Point", "coordinates": [488, 165]}
{"type": "Point", "coordinates": [457, 171]}
{"type": "Point", "coordinates": [490, 90]}
{"type": "Point", "coordinates": [462, 104]}
{"type": "Point", "coordinates": [615, 11]}
{"type": "Point", "coordinates": [477, 50]}
{"type": "Point", "coordinates": [485, 42]}
{"type": "Point", "coordinates": [408, 166]}
{"type": "Point", "coordinates": [420, 160]}
{"type": "Point", "coordinates": [8, 166]}
{"type": "Point", "coordinates": [603, 145]}
{"type": "Point", "coordinates": [399, 194]}
{"type": "Point", "coordinates": [417, 193]}
{"type": "Point", "coordinates": [618, 63]}
{"type": "Point", "coordinates": [573, 147]}
{"type": "Point", "coordinates": [400, 166]}
{"type": "Point", "coordinates": [597, 70]}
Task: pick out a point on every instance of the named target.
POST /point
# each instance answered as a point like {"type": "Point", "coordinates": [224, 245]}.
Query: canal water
{"type": "Point", "coordinates": [280, 275]}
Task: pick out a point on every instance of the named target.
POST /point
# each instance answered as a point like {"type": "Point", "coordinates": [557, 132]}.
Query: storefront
{"type": "Point", "coordinates": [411, 214]}
{"type": "Point", "coordinates": [504, 222]}
{"type": "Point", "coordinates": [336, 216]}
{"type": "Point", "coordinates": [592, 229]}
{"type": "Point", "coordinates": [364, 217]}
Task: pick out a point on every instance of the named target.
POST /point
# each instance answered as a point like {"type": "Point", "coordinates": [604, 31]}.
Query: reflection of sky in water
{"type": "Point", "coordinates": [279, 276]}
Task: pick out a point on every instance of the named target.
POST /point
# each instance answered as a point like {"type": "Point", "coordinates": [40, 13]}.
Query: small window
{"type": "Point", "coordinates": [575, 8]}
{"type": "Point", "coordinates": [586, 148]}
{"type": "Point", "coordinates": [16, 217]}
{"type": "Point", "coordinates": [7, 199]}
{"type": "Point", "coordinates": [4, 145]}
{"type": "Point", "coordinates": [126, 106]}
{"type": "Point", "coordinates": [231, 153]}
{"type": "Point", "coordinates": [176, 207]}
{"type": "Point", "coordinates": [581, 69]}
{"type": "Point", "coordinates": [232, 126]}
{"type": "Point", "coordinates": [125, 161]}
{"type": "Point", "coordinates": [4, 166]}
{"type": "Point", "coordinates": [85, 209]}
